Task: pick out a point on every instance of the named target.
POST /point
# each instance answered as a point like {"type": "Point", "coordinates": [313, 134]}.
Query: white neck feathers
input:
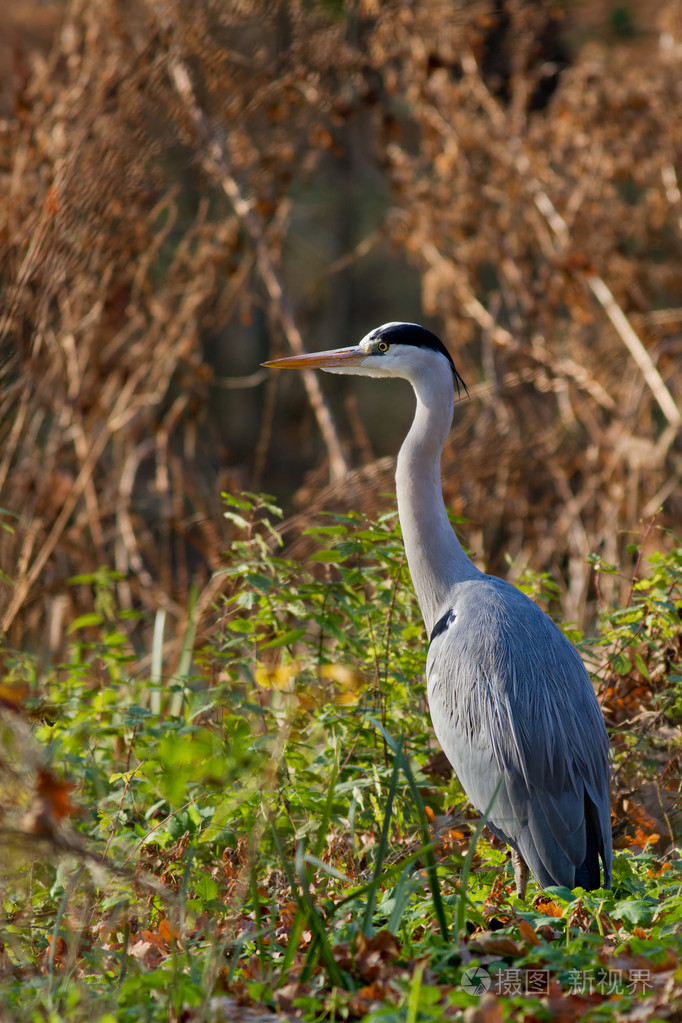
{"type": "Point", "coordinates": [434, 554]}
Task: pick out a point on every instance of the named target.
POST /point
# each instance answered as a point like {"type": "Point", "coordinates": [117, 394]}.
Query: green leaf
{"type": "Point", "coordinates": [326, 531]}
{"type": "Point", "coordinates": [244, 625]}
{"type": "Point", "coordinates": [258, 581]}
{"type": "Point", "coordinates": [86, 620]}
{"type": "Point", "coordinates": [237, 520]}
{"type": "Point", "coordinates": [639, 661]}
{"type": "Point", "coordinates": [621, 664]}
{"type": "Point", "coordinates": [237, 502]}
{"type": "Point", "coordinates": [560, 892]}
{"type": "Point", "coordinates": [206, 888]}
{"type": "Point", "coordinates": [285, 639]}
{"type": "Point", "coordinates": [634, 913]}
{"type": "Point", "coordinates": [329, 557]}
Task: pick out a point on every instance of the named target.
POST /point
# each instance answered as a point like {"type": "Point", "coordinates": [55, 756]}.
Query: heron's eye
{"type": "Point", "coordinates": [382, 346]}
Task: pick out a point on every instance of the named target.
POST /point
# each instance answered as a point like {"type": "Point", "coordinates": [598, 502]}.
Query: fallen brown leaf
{"type": "Point", "coordinates": [60, 950]}
{"type": "Point", "coordinates": [374, 955]}
{"type": "Point", "coordinates": [547, 906]}
{"type": "Point", "coordinates": [527, 932]}
{"type": "Point", "coordinates": [382, 942]}
{"type": "Point", "coordinates": [147, 952]}
{"type": "Point", "coordinates": [368, 998]}
{"type": "Point", "coordinates": [496, 944]}
{"type": "Point", "coordinates": [286, 995]}
{"type": "Point", "coordinates": [488, 1010]}
{"type": "Point", "coordinates": [51, 804]}
{"type": "Point", "coordinates": [56, 793]}
{"type": "Point", "coordinates": [13, 694]}
{"type": "Point", "coordinates": [168, 932]}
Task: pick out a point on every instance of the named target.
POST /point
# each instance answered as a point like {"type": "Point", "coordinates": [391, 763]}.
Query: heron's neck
{"type": "Point", "coordinates": [434, 555]}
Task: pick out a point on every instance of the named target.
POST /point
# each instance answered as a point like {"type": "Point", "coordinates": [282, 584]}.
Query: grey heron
{"type": "Point", "coordinates": [510, 699]}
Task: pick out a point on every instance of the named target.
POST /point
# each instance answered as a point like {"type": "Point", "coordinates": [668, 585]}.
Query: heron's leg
{"type": "Point", "coordinates": [520, 873]}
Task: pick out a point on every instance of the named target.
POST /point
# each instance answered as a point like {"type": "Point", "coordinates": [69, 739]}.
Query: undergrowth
{"type": "Point", "coordinates": [271, 825]}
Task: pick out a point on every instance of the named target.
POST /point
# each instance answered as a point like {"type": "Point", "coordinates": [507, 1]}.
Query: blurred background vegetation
{"type": "Point", "coordinates": [187, 188]}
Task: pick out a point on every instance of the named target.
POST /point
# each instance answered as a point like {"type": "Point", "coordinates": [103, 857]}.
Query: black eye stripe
{"type": "Point", "coordinates": [416, 336]}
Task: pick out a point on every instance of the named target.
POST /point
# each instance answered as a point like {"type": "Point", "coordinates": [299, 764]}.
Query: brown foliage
{"type": "Point", "coordinates": [151, 162]}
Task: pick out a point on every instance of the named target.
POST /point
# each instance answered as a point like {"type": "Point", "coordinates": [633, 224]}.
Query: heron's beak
{"type": "Point", "coordinates": [337, 358]}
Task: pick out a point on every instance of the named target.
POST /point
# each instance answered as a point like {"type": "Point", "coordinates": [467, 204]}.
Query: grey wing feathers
{"type": "Point", "coordinates": [511, 699]}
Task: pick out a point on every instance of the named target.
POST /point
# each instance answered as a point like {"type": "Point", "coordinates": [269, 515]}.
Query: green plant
{"type": "Point", "coordinates": [260, 823]}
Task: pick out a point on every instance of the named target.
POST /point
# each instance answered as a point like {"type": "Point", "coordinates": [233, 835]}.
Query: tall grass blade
{"type": "Point", "coordinates": [427, 845]}
{"type": "Point", "coordinates": [291, 948]}
{"type": "Point", "coordinates": [57, 925]}
{"type": "Point", "coordinates": [184, 886]}
{"type": "Point", "coordinates": [258, 917]}
{"type": "Point", "coordinates": [317, 924]}
{"type": "Point", "coordinates": [366, 926]}
{"type": "Point", "coordinates": [415, 991]}
{"type": "Point", "coordinates": [306, 905]}
{"type": "Point", "coordinates": [185, 664]}
{"type": "Point", "coordinates": [327, 811]}
{"type": "Point", "coordinates": [401, 896]}
{"type": "Point", "coordinates": [157, 660]}
{"type": "Point", "coordinates": [468, 860]}
{"type": "Point", "coordinates": [327, 868]}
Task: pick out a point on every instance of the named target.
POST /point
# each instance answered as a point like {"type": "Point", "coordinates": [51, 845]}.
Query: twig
{"type": "Point", "coordinates": [470, 304]}
{"type": "Point", "coordinates": [602, 293]}
{"type": "Point", "coordinates": [216, 163]}
{"type": "Point", "coordinates": [62, 844]}
{"type": "Point", "coordinates": [604, 296]}
{"type": "Point", "coordinates": [596, 284]}
{"type": "Point", "coordinates": [362, 249]}
{"type": "Point", "coordinates": [640, 552]}
{"type": "Point", "coordinates": [672, 189]}
{"type": "Point", "coordinates": [26, 582]}
{"type": "Point", "coordinates": [239, 383]}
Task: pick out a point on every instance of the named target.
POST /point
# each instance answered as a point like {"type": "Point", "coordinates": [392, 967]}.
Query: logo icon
{"type": "Point", "coordinates": [476, 981]}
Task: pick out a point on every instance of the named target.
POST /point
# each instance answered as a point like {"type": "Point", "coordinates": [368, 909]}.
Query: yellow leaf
{"type": "Point", "coordinates": [346, 699]}
{"type": "Point", "coordinates": [344, 676]}
{"type": "Point", "coordinates": [282, 678]}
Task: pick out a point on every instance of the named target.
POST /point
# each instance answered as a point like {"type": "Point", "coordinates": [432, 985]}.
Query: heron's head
{"type": "Point", "coordinates": [393, 350]}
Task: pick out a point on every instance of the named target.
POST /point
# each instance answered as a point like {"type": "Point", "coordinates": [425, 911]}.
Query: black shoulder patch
{"type": "Point", "coordinates": [442, 625]}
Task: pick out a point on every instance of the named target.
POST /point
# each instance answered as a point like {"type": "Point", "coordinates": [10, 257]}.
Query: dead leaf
{"type": "Point", "coordinates": [383, 942]}
{"type": "Point", "coordinates": [147, 953]}
{"type": "Point", "coordinates": [168, 932]}
{"type": "Point", "coordinates": [51, 804]}
{"type": "Point", "coordinates": [60, 950]}
{"type": "Point", "coordinates": [497, 944]}
{"type": "Point", "coordinates": [56, 794]}
{"type": "Point", "coordinates": [368, 998]}
{"type": "Point", "coordinates": [13, 694]}
{"type": "Point", "coordinates": [488, 1010]}
{"type": "Point", "coordinates": [286, 995]}
{"type": "Point", "coordinates": [528, 934]}
{"type": "Point", "coordinates": [371, 958]}
{"type": "Point", "coordinates": [547, 906]}
{"type": "Point", "coordinates": [154, 938]}
{"type": "Point", "coordinates": [496, 897]}
{"type": "Point", "coordinates": [564, 1007]}
{"type": "Point", "coordinates": [579, 916]}
{"type": "Point", "coordinates": [438, 766]}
